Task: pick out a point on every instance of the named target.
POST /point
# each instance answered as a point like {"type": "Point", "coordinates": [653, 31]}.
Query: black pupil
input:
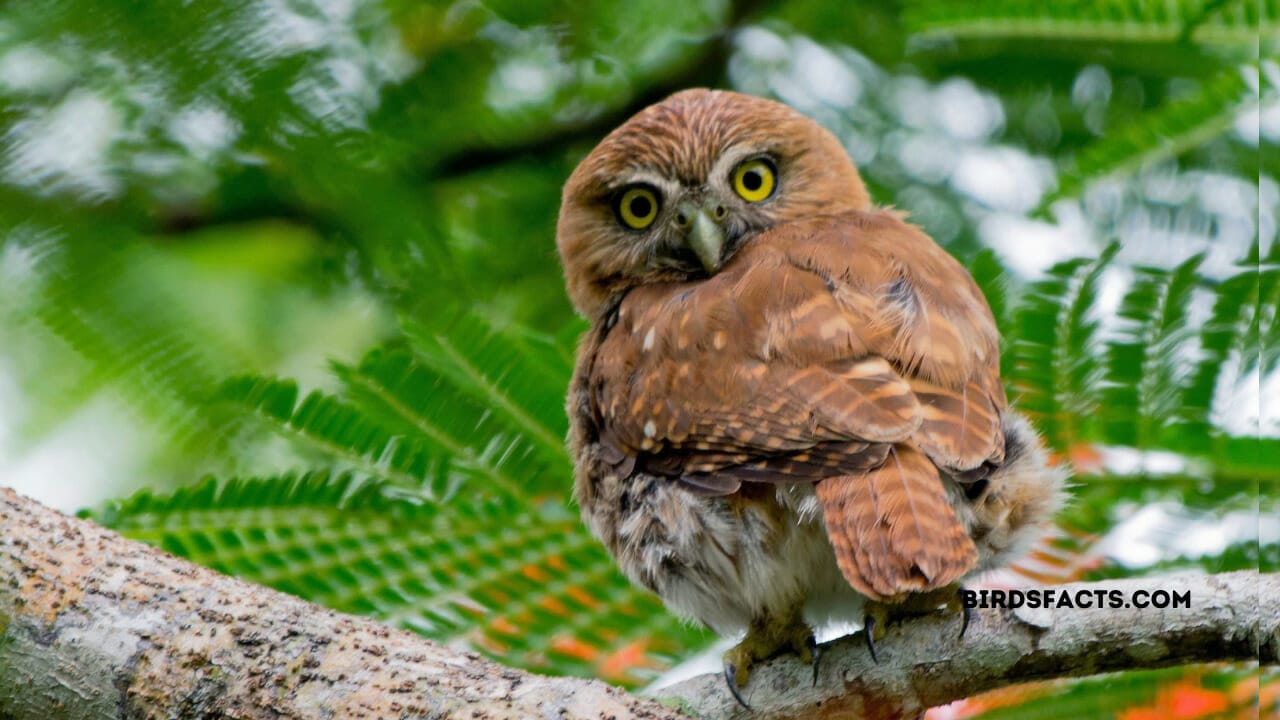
{"type": "Point", "coordinates": [752, 180]}
{"type": "Point", "coordinates": [641, 207]}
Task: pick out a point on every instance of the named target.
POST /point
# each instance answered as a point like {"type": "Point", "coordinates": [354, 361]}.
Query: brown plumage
{"type": "Point", "coordinates": [785, 397]}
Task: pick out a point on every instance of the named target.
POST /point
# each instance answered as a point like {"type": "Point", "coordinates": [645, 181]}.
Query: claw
{"type": "Point", "coordinates": [869, 629]}
{"type": "Point", "coordinates": [966, 613]}
{"type": "Point", "coordinates": [812, 644]}
{"type": "Point", "coordinates": [731, 679]}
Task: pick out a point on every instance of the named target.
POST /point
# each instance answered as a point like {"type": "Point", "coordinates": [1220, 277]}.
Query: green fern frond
{"type": "Point", "coordinates": [1168, 131]}
{"type": "Point", "coordinates": [1244, 305]}
{"type": "Point", "coordinates": [1142, 394]}
{"type": "Point", "coordinates": [520, 376]}
{"type": "Point", "coordinates": [1054, 373]}
{"type": "Point", "coordinates": [1268, 309]}
{"type": "Point", "coordinates": [99, 300]}
{"type": "Point", "coordinates": [340, 432]}
{"type": "Point", "coordinates": [396, 390]}
{"type": "Point", "coordinates": [529, 588]}
{"type": "Point", "coordinates": [1153, 385]}
{"type": "Point", "coordinates": [1237, 22]}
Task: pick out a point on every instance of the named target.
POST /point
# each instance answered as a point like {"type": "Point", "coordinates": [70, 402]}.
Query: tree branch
{"type": "Point", "coordinates": [1233, 617]}
{"type": "Point", "coordinates": [96, 626]}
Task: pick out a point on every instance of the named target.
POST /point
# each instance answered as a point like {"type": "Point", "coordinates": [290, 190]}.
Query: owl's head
{"type": "Point", "coordinates": [677, 189]}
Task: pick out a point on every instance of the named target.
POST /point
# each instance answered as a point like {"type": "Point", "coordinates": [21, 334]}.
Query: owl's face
{"type": "Point", "coordinates": [675, 191]}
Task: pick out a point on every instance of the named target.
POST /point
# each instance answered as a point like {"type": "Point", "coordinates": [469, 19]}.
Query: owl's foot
{"type": "Point", "coordinates": [880, 615]}
{"type": "Point", "coordinates": [873, 626]}
{"type": "Point", "coordinates": [765, 638]}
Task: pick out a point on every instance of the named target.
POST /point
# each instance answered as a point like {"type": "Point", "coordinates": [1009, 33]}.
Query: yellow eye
{"type": "Point", "coordinates": [754, 180]}
{"type": "Point", "coordinates": [638, 207]}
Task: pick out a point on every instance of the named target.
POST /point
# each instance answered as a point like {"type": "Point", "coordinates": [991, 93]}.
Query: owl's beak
{"type": "Point", "coordinates": [705, 237]}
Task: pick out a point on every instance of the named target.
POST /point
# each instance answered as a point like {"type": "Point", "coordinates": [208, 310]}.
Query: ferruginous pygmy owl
{"type": "Point", "coordinates": [789, 401]}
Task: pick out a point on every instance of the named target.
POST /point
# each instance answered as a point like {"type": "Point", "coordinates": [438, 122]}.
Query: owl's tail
{"type": "Point", "coordinates": [1014, 505]}
{"type": "Point", "coordinates": [894, 530]}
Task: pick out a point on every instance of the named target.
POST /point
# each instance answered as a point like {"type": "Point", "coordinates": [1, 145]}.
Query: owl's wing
{"type": "Point", "coordinates": [847, 352]}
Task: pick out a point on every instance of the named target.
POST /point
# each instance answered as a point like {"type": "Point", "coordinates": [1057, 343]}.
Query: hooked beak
{"type": "Point", "coordinates": [705, 237]}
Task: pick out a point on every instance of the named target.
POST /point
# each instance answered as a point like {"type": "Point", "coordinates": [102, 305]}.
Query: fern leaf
{"type": "Point", "coordinates": [99, 300]}
{"type": "Point", "coordinates": [530, 588]}
{"type": "Point", "coordinates": [520, 376]}
{"type": "Point", "coordinates": [412, 400]}
{"type": "Point", "coordinates": [1054, 369]}
{"type": "Point", "coordinates": [1231, 325]}
{"type": "Point", "coordinates": [1268, 318]}
{"type": "Point", "coordinates": [1144, 371]}
{"type": "Point", "coordinates": [1168, 131]}
{"type": "Point", "coordinates": [1237, 22]}
{"type": "Point", "coordinates": [340, 432]}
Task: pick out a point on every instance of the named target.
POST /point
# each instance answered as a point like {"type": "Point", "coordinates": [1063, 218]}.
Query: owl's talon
{"type": "Point", "coordinates": [869, 629]}
{"type": "Point", "coordinates": [966, 613]}
{"type": "Point", "coordinates": [816, 653]}
{"type": "Point", "coordinates": [766, 637]}
{"type": "Point", "coordinates": [731, 680]}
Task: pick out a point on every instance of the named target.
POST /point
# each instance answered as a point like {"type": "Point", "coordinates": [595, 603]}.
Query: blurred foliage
{"type": "Point", "coordinates": [304, 250]}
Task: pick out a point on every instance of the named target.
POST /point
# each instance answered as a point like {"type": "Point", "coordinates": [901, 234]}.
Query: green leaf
{"type": "Point", "coordinates": [341, 433]}
{"type": "Point", "coordinates": [1054, 372]}
{"type": "Point", "coordinates": [529, 588]}
{"type": "Point", "coordinates": [397, 391]}
{"type": "Point", "coordinates": [1206, 21]}
{"type": "Point", "coordinates": [1144, 375]}
{"type": "Point", "coordinates": [520, 376]}
{"type": "Point", "coordinates": [1168, 131]}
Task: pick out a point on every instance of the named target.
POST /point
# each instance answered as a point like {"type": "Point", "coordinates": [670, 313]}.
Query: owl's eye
{"type": "Point", "coordinates": [637, 207]}
{"type": "Point", "coordinates": [755, 180]}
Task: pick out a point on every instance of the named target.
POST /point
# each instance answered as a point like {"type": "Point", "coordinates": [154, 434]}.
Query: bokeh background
{"type": "Point", "coordinates": [278, 286]}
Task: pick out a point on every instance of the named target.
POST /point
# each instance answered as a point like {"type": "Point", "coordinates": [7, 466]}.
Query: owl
{"type": "Point", "coordinates": [788, 408]}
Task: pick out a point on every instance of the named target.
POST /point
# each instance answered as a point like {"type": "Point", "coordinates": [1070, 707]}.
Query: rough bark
{"type": "Point", "coordinates": [96, 626]}
{"type": "Point", "coordinates": [1233, 616]}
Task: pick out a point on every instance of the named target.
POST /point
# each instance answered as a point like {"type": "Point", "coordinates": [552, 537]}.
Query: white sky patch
{"type": "Point", "coordinates": [964, 112]}
{"type": "Point", "coordinates": [1166, 531]}
{"type": "Point", "coordinates": [1268, 119]}
{"type": "Point", "coordinates": [1247, 126]}
{"type": "Point", "coordinates": [1113, 283]}
{"type": "Point", "coordinates": [929, 158]}
{"type": "Point", "coordinates": [336, 91]}
{"type": "Point", "coordinates": [20, 253]}
{"type": "Point", "coordinates": [1030, 247]}
{"type": "Point", "coordinates": [1269, 405]}
{"type": "Point", "coordinates": [1003, 178]}
{"type": "Point", "coordinates": [822, 77]}
{"type": "Point", "coordinates": [1268, 203]}
{"type": "Point", "coordinates": [1243, 405]}
{"type": "Point", "coordinates": [12, 412]}
{"type": "Point", "coordinates": [912, 102]}
{"type": "Point", "coordinates": [86, 461]}
{"type": "Point", "coordinates": [525, 81]}
{"type": "Point", "coordinates": [66, 147]}
{"type": "Point", "coordinates": [1092, 86]}
{"type": "Point", "coordinates": [533, 72]}
{"type": "Point", "coordinates": [1127, 461]}
{"type": "Point", "coordinates": [763, 45]}
{"type": "Point", "coordinates": [278, 30]}
{"type": "Point", "coordinates": [204, 130]}
{"type": "Point", "coordinates": [29, 69]}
